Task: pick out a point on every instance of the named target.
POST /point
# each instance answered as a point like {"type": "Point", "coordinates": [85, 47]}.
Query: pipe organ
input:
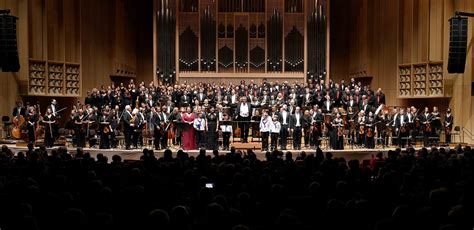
{"type": "Point", "coordinates": [240, 39]}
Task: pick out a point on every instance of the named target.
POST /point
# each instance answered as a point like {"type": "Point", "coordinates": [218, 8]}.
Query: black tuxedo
{"type": "Point", "coordinates": [365, 108]}
{"type": "Point", "coordinates": [21, 111]}
{"type": "Point", "coordinates": [296, 124]}
{"type": "Point", "coordinates": [186, 100]}
{"type": "Point", "coordinates": [285, 124]}
{"type": "Point", "coordinates": [327, 106]}
{"type": "Point", "coordinates": [127, 128]}
{"type": "Point", "coordinates": [307, 99]}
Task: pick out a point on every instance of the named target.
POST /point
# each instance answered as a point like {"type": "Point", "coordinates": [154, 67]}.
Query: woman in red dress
{"type": "Point", "coordinates": [188, 136]}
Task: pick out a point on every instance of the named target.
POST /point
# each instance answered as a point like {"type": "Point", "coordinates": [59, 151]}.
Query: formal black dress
{"type": "Point", "coordinates": [211, 131]}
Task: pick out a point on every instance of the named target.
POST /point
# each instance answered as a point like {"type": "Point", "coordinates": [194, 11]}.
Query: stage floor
{"type": "Point", "coordinates": [134, 154]}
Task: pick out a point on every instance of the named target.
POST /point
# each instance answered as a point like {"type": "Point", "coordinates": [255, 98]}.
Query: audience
{"type": "Point", "coordinates": [424, 189]}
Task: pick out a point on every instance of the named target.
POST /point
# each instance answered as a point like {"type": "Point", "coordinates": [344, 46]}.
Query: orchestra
{"type": "Point", "coordinates": [192, 116]}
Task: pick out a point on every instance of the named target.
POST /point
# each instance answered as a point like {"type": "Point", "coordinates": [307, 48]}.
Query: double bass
{"type": "Point", "coordinates": [19, 123]}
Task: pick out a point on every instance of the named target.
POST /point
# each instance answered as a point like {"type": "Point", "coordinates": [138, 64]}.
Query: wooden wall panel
{"type": "Point", "coordinates": [55, 29]}
{"type": "Point", "coordinates": [406, 29]}
{"type": "Point", "coordinates": [145, 42]}
{"type": "Point", "coordinates": [72, 30]}
{"type": "Point", "coordinates": [36, 39]}
{"type": "Point", "coordinates": [125, 25]}
{"type": "Point", "coordinates": [436, 30]}
{"type": "Point", "coordinates": [97, 43]}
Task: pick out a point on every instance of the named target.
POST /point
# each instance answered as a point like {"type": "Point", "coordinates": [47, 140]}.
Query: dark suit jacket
{"type": "Point", "coordinates": [22, 111]}
{"type": "Point", "coordinates": [293, 120]}
{"type": "Point", "coordinates": [126, 117]}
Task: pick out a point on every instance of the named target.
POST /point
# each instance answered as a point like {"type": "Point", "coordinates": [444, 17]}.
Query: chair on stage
{"type": "Point", "coordinates": [324, 140]}
{"type": "Point", "coordinates": [6, 126]}
{"type": "Point", "coordinates": [456, 132]}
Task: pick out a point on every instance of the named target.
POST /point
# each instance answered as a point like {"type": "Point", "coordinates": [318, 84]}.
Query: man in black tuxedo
{"type": "Point", "coordinates": [19, 109]}
{"type": "Point", "coordinates": [327, 105]}
{"type": "Point", "coordinates": [365, 106]}
{"type": "Point", "coordinates": [284, 117]}
{"type": "Point", "coordinates": [186, 99]}
{"type": "Point", "coordinates": [401, 124]}
{"type": "Point", "coordinates": [296, 126]}
{"type": "Point", "coordinates": [127, 126]}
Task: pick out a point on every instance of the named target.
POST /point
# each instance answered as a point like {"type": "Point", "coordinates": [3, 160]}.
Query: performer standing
{"type": "Point", "coordinates": [285, 122]}
{"type": "Point", "coordinates": [296, 125]}
{"type": "Point", "coordinates": [402, 128]}
{"type": "Point", "coordinates": [212, 130]}
{"type": "Point", "coordinates": [361, 129]}
{"type": "Point", "coordinates": [316, 125]}
{"type": "Point", "coordinates": [128, 125]}
{"type": "Point", "coordinates": [338, 126]}
{"type": "Point", "coordinates": [244, 109]}
{"type": "Point", "coordinates": [156, 125]}
{"type": "Point", "coordinates": [436, 122]}
{"type": "Point", "coordinates": [370, 141]}
{"type": "Point", "coordinates": [166, 126]}
{"type": "Point", "coordinates": [200, 125]}
{"type": "Point", "coordinates": [265, 123]}
{"type": "Point", "coordinates": [426, 119]}
{"type": "Point", "coordinates": [48, 122]}
{"type": "Point", "coordinates": [19, 110]}
{"type": "Point", "coordinates": [79, 130]}
{"type": "Point", "coordinates": [105, 130]}
{"type": "Point", "coordinates": [226, 129]}
{"type": "Point", "coordinates": [307, 119]}
{"type": "Point", "coordinates": [275, 132]}
{"type": "Point", "coordinates": [188, 136]}
{"type": "Point", "coordinates": [448, 125]}
{"type": "Point", "coordinates": [173, 119]}
{"type": "Point", "coordinates": [32, 118]}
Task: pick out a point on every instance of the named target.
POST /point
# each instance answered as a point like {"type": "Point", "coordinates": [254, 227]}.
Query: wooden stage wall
{"type": "Point", "coordinates": [366, 35]}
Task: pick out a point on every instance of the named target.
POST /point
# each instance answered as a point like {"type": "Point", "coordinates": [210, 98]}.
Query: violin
{"type": "Point", "coordinates": [340, 131]}
{"type": "Point", "coordinates": [403, 129]}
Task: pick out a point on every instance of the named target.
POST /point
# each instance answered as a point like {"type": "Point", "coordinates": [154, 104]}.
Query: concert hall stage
{"type": "Point", "coordinates": [134, 154]}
